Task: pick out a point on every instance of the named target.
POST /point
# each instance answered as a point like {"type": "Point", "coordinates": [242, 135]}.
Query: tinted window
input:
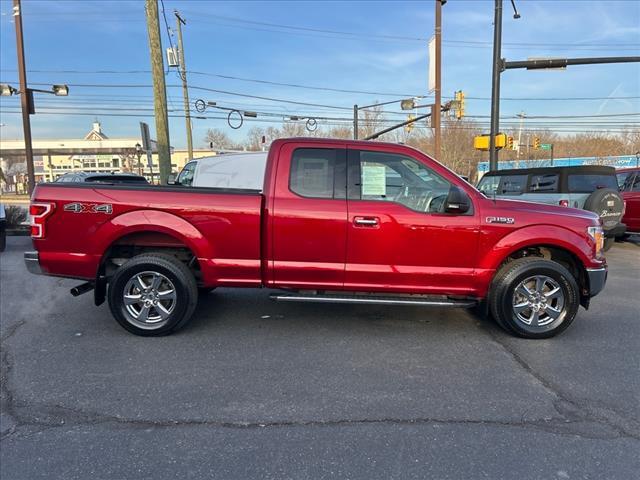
{"type": "Point", "coordinates": [400, 179]}
{"type": "Point", "coordinates": [489, 184]}
{"type": "Point", "coordinates": [629, 181]}
{"type": "Point", "coordinates": [512, 184]}
{"type": "Point", "coordinates": [186, 175]}
{"type": "Point", "coordinates": [622, 178]}
{"type": "Point", "coordinates": [312, 172]}
{"type": "Point", "coordinates": [547, 183]}
{"type": "Point", "coordinates": [587, 183]}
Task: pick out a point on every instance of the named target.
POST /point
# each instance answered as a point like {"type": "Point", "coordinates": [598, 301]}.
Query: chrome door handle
{"type": "Point", "coordinates": [369, 222]}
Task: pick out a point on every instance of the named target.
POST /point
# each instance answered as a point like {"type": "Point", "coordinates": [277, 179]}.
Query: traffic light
{"type": "Point", "coordinates": [536, 143]}
{"type": "Point", "coordinates": [509, 145]}
{"type": "Point", "coordinates": [408, 127]}
{"type": "Point", "coordinates": [459, 104]}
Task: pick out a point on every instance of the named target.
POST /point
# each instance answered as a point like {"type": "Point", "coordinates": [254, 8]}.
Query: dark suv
{"type": "Point", "coordinates": [97, 177]}
{"type": "Point", "coordinates": [588, 187]}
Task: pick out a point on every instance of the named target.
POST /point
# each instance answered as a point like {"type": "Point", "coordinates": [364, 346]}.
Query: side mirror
{"type": "Point", "coordinates": [457, 201]}
{"type": "Point", "coordinates": [171, 180]}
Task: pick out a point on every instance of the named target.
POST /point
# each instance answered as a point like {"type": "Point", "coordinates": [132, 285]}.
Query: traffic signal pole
{"type": "Point", "coordinates": [436, 118]}
{"type": "Point", "coordinates": [495, 85]}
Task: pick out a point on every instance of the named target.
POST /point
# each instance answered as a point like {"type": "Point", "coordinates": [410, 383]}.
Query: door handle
{"type": "Point", "coordinates": [366, 221]}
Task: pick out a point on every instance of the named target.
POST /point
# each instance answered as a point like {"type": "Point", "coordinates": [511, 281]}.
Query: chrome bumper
{"type": "Point", "coordinates": [32, 262]}
{"type": "Point", "coordinates": [597, 279]}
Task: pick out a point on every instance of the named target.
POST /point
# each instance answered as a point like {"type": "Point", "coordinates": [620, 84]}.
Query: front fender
{"type": "Point", "coordinates": [539, 235]}
{"type": "Point", "coordinates": [151, 221]}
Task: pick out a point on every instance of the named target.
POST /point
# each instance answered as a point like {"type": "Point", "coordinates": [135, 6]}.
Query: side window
{"type": "Point", "coordinates": [635, 186]}
{"type": "Point", "coordinates": [396, 178]}
{"type": "Point", "coordinates": [312, 172]}
{"type": "Point", "coordinates": [512, 185]}
{"type": "Point", "coordinates": [186, 175]}
{"type": "Point", "coordinates": [622, 180]}
{"type": "Point", "coordinates": [544, 183]}
{"type": "Point", "coordinates": [489, 184]}
{"type": "Point", "coordinates": [587, 183]}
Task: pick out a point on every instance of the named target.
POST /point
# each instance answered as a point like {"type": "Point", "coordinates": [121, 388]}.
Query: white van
{"type": "Point", "coordinates": [229, 170]}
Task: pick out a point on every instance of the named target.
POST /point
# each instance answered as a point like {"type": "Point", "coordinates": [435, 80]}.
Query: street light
{"type": "Point", "coordinates": [139, 154]}
{"type": "Point", "coordinates": [7, 90]}
{"type": "Point", "coordinates": [405, 104]}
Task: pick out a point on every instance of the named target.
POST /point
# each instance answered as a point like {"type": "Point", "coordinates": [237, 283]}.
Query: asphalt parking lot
{"type": "Point", "coordinates": [255, 389]}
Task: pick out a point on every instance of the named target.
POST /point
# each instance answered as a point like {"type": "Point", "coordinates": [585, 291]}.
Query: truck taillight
{"type": "Point", "coordinates": [563, 203]}
{"type": "Point", "coordinates": [39, 213]}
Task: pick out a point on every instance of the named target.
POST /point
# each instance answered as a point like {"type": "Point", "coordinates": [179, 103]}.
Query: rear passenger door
{"type": "Point", "coordinates": [308, 220]}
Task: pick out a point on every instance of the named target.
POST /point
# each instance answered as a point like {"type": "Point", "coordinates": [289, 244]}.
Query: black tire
{"type": "Point", "coordinates": [608, 243]}
{"type": "Point", "coordinates": [3, 239]}
{"type": "Point", "coordinates": [205, 290]}
{"type": "Point", "coordinates": [174, 313]}
{"type": "Point", "coordinates": [502, 298]}
{"type": "Point", "coordinates": [607, 203]}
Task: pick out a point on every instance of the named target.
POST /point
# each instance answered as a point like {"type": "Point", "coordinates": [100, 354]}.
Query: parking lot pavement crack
{"type": "Point", "coordinates": [7, 402]}
{"type": "Point", "coordinates": [573, 410]}
{"type": "Point", "coordinates": [35, 419]}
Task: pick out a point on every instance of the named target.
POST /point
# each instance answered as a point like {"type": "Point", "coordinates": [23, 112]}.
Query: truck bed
{"type": "Point", "coordinates": [221, 227]}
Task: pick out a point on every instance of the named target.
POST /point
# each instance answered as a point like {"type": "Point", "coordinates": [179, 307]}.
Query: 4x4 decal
{"type": "Point", "coordinates": [78, 207]}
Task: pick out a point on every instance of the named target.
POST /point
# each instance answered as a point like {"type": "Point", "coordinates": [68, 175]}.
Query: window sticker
{"type": "Point", "coordinates": [374, 180]}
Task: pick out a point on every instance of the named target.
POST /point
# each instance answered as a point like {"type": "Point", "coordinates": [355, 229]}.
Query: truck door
{"type": "Point", "coordinates": [308, 221]}
{"type": "Point", "coordinates": [399, 236]}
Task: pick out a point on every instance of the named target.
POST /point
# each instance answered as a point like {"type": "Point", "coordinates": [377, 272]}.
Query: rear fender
{"type": "Point", "coordinates": [151, 221]}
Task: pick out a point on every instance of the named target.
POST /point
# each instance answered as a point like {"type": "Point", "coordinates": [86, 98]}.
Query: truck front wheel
{"type": "Point", "coordinates": [153, 294]}
{"type": "Point", "coordinates": [534, 298]}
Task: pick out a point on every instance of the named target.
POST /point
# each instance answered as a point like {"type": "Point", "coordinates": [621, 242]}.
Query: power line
{"type": "Point", "coordinates": [331, 89]}
{"type": "Point", "coordinates": [364, 35]}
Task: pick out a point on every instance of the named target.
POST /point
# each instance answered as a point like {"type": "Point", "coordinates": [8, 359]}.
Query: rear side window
{"type": "Point", "coordinates": [512, 185]}
{"type": "Point", "coordinates": [587, 183]}
{"type": "Point", "coordinates": [635, 186]}
{"type": "Point", "coordinates": [547, 183]}
{"type": "Point", "coordinates": [312, 172]}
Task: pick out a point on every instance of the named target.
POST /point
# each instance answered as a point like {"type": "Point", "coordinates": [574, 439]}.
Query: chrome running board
{"type": "Point", "coordinates": [373, 300]}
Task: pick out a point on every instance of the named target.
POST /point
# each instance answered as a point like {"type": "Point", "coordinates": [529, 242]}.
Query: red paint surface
{"type": "Point", "coordinates": [280, 239]}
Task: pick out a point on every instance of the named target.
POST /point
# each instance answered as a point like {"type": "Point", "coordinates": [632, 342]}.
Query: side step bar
{"type": "Point", "coordinates": [374, 300]}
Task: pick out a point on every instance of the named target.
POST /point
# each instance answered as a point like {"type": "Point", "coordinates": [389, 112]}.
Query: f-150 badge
{"type": "Point", "coordinates": [507, 220]}
{"type": "Point", "coordinates": [89, 208]}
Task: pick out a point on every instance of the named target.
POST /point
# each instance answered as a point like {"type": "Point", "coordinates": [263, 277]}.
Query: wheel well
{"type": "Point", "coordinates": [132, 244]}
{"type": "Point", "coordinates": [559, 255]}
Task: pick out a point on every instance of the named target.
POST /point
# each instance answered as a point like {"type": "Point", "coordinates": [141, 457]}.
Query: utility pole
{"type": "Point", "coordinates": [495, 85]}
{"type": "Point", "coordinates": [183, 75]}
{"type": "Point", "coordinates": [355, 122]}
{"type": "Point", "coordinates": [159, 90]}
{"type": "Point", "coordinates": [435, 120]}
{"type": "Point", "coordinates": [25, 96]}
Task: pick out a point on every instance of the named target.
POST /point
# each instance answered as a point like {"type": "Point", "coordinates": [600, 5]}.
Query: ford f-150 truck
{"type": "Point", "coordinates": [336, 221]}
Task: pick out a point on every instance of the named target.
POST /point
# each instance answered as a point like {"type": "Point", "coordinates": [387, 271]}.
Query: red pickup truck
{"type": "Point", "coordinates": [336, 221]}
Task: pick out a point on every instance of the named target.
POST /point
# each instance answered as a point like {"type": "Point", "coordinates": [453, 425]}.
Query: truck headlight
{"type": "Point", "coordinates": [597, 234]}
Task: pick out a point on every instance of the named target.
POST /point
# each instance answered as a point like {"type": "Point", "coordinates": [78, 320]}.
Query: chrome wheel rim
{"type": "Point", "coordinates": [538, 301]}
{"type": "Point", "coordinates": [149, 298]}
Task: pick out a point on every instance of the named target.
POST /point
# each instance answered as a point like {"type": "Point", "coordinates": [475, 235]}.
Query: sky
{"type": "Point", "coordinates": [377, 51]}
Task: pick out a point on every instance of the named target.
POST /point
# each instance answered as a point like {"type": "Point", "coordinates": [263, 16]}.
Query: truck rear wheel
{"type": "Point", "coordinates": [153, 294]}
{"type": "Point", "coordinates": [534, 298]}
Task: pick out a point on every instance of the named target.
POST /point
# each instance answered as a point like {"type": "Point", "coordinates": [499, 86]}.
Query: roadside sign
{"type": "Point", "coordinates": [545, 146]}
